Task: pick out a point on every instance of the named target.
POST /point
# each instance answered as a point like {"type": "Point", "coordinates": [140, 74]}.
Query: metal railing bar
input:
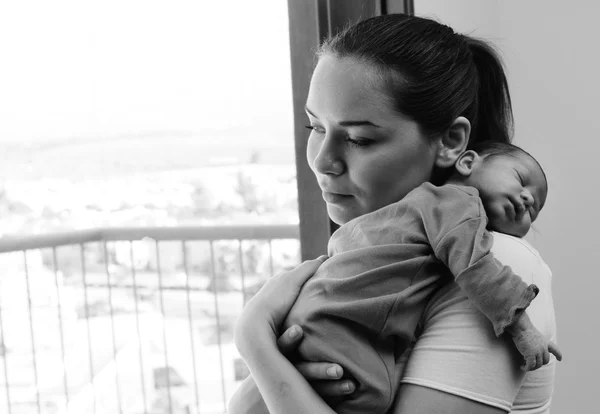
{"type": "Point", "coordinates": [137, 325]}
{"type": "Point", "coordinates": [164, 330]}
{"type": "Point", "coordinates": [43, 241]}
{"type": "Point", "coordinates": [87, 323]}
{"type": "Point", "coordinates": [112, 326]}
{"type": "Point", "coordinates": [155, 235]}
{"type": "Point", "coordinates": [242, 273]}
{"type": "Point", "coordinates": [140, 287]}
{"type": "Point", "coordinates": [33, 347]}
{"type": "Point", "coordinates": [271, 267]}
{"type": "Point", "coordinates": [60, 325]}
{"type": "Point", "coordinates": [218, 320]}
{"type": "Point", "coordinates": [190, 321]}
{"type": "Point", "coordinates": [263, 232]}
{"type": "Point", "coordinates": [4, 352]}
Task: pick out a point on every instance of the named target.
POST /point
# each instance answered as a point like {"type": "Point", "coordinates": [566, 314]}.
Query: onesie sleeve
{"type": "Point", "coordinates": [494, 288]}
{"type": "Point", "coordinates": [455, 224]}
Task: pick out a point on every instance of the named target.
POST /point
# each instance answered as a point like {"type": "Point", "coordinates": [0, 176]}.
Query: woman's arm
{"type": "Point", "coordinates": [282, 387]}
{"type": "Point", "coordinates": [247, 399]}
{"type": "Point", "coordinates": [322, 376]}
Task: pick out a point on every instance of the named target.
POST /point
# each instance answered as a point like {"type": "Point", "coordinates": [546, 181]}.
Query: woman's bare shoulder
{"type": "Point", "coordinates": [457, 338]}
{"type": "Point", "coordinates": [512, 242]}
{"type": "Point", "coordinates": [527, 262]}
{"type": "Point", "coordinates": [521, 256]}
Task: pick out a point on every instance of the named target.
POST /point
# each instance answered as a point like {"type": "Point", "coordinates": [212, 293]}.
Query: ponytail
{"type": "Point", "coordinates": [493, 119]}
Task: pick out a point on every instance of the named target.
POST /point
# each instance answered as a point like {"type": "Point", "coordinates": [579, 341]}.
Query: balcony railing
{"type": "Point", "coordinates": [130, 320]}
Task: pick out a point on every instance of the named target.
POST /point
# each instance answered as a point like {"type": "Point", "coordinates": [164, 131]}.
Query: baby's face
{"type": "Point", "coordinates": [513, 189]}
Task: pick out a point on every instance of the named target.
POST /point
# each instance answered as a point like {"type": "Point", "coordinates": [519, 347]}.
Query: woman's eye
{"type": "Point", "coordinates": [315, 128]}
{"type": "Point", "coordinates": [356, 142]}
{"type": "Point", "coordinates": [360, 143]}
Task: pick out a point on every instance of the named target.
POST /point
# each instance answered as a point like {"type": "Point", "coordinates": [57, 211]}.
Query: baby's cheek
{"type": "Point", "coordinates": [494, 211]}
{"type": "Point", "coordinates": [497, 218]}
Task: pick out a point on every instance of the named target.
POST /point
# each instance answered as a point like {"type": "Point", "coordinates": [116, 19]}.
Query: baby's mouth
{"type": "Point", "coordinates": [518, 209]}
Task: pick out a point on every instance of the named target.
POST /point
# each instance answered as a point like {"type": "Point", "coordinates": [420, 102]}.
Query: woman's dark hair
{"type": "Point", "coordinates": [433, 74]}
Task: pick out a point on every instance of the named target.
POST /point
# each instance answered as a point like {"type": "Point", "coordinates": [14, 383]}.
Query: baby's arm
{"type": "Point", "coordinates": [495, 289]}
{"type": "Point", "coordinates": [500, 294]}
{"type": "Point", "coordinates": [531, 344]}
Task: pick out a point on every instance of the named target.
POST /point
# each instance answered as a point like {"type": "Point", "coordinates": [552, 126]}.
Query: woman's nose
{"type": "Point", "coordinates": [328, 159]}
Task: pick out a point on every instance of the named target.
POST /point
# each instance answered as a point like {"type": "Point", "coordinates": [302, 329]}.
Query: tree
{"type": "Point", "coordinates": [247, 191]}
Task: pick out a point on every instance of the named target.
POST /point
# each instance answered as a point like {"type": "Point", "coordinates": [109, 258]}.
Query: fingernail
{"type": "Point", "coordinates": [323, 257]}
{"type": "Point", "coordinates": [333, 372]}
{"type": "Point", "coordinates": [294, 332]}
{"type": "Point", "coordinates": [347, 387]}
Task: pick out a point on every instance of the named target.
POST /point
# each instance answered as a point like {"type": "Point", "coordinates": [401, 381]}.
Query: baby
{"type": "Point", "coordinates": [362, 307]}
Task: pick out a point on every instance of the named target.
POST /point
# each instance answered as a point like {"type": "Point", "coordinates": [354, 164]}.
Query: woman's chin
{"type": "Point", "coordinates": [341, 214]}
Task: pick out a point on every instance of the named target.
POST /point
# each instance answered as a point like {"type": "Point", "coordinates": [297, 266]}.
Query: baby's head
{"type": "Point", "coordinates": [511, 184]}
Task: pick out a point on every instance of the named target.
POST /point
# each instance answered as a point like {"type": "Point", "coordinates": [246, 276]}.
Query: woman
{"type": "Point", "coordinates": [393, 101]}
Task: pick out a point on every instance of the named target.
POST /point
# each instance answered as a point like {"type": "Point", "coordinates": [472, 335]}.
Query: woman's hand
{"type": "Point", "coordinates": [324, 377]}
{"type": "Point", "coordinates": [283, 388]}
{"type": "Point", "coordinates": [265, 312]}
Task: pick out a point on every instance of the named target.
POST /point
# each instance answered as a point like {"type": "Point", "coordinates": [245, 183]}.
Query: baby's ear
{"type": "Point", "coordinates": [466, 162]}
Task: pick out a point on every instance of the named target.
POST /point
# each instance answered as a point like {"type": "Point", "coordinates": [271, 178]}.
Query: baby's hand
{"type": "Point", "coordinates": [532, 345]}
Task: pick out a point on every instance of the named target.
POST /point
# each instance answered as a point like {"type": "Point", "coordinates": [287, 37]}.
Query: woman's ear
{"type": "Point", "coordinates": [453, 142]}
{"type": "Point", "coordinates": [465, 163]}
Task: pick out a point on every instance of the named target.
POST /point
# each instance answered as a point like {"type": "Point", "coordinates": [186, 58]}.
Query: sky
{"type": "Point", "coordinates": [88, 69]}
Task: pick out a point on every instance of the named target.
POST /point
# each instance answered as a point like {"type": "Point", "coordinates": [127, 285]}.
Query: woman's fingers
{"type": "Point", "coordinates": [553, 349]}
{"type": "Point", "coordinates": [329, 389]}
{"type": "Point", "coordinates": [273, 301]}
{"type": "Point", "coordinates": [315, 371]}
{"type": "Point", "coordinates": [290, 339]}
{"type": "Point", "coordinates": [287, 285]}
{"type": "Point", "coordinates": [304, 271]}
{"type": "Point", "coordinates": [326, 379]}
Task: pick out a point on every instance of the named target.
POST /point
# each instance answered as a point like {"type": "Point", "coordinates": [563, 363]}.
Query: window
{"type": "Point", "coordinates": [145, 113]}
{"type": "Point", "coordinates": [125, 114]}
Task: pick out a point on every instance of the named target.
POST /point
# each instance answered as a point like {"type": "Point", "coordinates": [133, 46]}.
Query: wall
{"type": "Point", "coordinates": [551, 52]}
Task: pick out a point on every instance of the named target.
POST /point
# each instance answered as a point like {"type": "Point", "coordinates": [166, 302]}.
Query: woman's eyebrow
{"type": "Point", "coordinates": [359, 123]}
{"type": "Point", "coordinates": [346, 123]}
{"type": "Point", "coordinates": [310, 112]}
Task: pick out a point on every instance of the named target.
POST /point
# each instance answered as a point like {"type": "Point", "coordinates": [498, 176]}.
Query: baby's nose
{"type": "Point", "coordinates": [527, 198]}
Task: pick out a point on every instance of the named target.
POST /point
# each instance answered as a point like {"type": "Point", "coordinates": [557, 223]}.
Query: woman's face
{"type": "Point", "coordinates": [364, 154]}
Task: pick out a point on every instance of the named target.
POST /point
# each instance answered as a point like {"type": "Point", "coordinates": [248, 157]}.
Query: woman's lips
{"type": "Point", "coordinates": [335, 198]}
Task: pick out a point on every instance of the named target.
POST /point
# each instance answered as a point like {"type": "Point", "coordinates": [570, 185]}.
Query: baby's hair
{"type": "Point", "coordinates": [489, 149]}
{"type": "Point", "coordinates": [492, 148]}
